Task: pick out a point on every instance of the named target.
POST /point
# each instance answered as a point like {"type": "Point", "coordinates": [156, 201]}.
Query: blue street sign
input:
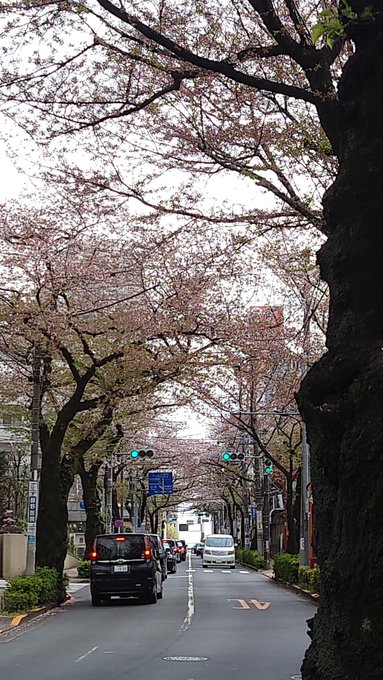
{"type": "Point", "coordinates": [82, 505]}
{"type": "Point", "coordinates": [160, 483]}
{"type": "Point", "coordinates": [31, 538]}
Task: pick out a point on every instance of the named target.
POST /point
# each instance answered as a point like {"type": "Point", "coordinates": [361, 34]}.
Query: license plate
{"type": "Point", "coordinates": [121, 567]}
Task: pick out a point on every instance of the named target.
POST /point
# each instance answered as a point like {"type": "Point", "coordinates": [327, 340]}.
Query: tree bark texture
{"type": "Point", "coordinates": [52, 522]}
{"type": "Point", "coordinates": [341, 397]}
{"type": "Point", "coordinates": [92, 501]}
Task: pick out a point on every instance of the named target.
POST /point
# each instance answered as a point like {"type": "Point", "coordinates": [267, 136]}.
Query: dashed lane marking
{"type": "Point", "coordinates": [83, 656]}
{"type": "Point", "coordinates": [190, 605]}
{"type": "Point", "coordinates": [185, 658]}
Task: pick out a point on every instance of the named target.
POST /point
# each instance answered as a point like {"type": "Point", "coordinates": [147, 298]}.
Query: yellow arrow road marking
{"type": "Point", "coordinates": [260, 605]}
{"type": "Point", "coordinates": [243, 603]}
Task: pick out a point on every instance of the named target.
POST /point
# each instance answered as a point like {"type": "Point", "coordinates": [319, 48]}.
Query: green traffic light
{"type": "Point", "coordinates": [226, 456]}
{"type": "Point", "coordinates": [269, 470]}
{"type": "Point", "coordinates": [134, 454]}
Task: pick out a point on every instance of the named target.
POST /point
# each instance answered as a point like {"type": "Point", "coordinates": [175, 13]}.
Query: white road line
{"type": "Point", "coordinates": [243, 572]}
{"type": "Point", "coordinates": [80, 658]}
{"type": "Point", "coordinates": [225, 571]}
{"type": "Point", "coordinates": [190, 607]}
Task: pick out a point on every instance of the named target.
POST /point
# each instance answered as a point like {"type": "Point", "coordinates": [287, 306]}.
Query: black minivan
{"type": "Point", "coordinates": [125, 565]}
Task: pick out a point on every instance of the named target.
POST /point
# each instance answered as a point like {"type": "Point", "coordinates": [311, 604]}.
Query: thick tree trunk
{"type": "Point", "coordinates": [91, 496]}
{"type": "Point", "coordinates": [340, 398]}
{"type": "Point", "coordinates": [52, 522]}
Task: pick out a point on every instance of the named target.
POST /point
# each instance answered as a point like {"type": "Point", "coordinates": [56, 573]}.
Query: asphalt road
{"type": "Point", "coordinates": [211, 625]}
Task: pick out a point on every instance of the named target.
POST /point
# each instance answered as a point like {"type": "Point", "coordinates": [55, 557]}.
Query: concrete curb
{"type": "Point", "coordinates": [314, 597]}
{"type": "Point", "coordinates": [8, 623]}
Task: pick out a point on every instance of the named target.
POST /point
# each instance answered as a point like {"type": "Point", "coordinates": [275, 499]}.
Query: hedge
{"type": "Point", "coordinates": [83, 569]}
{"type": "Point", "coordinates": [286, 567]}
{"type": "Point", "coordinates": [45, 586]}
{"type": "Point", "coordinates": [250, 557]}
{"type": "Point", "coordinates": [309, 579]}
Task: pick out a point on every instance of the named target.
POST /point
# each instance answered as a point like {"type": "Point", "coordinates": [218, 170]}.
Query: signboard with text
{"type": "Point", "coordinates": [160, 483]}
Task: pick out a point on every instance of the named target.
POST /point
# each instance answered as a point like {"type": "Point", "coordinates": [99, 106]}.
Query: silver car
{"type": "Point", "coordinates": [219, 551]}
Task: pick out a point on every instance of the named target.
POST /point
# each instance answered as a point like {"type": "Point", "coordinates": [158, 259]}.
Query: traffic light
{"type": "Point", "coordinates": [141, 453]}
{"type": "Point", "coordinates": [233, 457]}
{"type": "Point", "coordinates": [268, 467]}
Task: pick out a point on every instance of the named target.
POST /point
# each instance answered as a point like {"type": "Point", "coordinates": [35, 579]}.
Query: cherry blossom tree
{"type": "Point", "coordinates": [305, 66]}
{"type": "Point", "coordinates": [113, 321]}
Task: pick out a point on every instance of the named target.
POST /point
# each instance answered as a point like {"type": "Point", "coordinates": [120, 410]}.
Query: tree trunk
{"type": "Point", "coordinates": [152, 520]}
{"type": "Point", "coordinates": [91, 496]}
{"type": "Point", "coordinates": [340, 399]}
{"type": "Point", "coordinates": [52, 522]}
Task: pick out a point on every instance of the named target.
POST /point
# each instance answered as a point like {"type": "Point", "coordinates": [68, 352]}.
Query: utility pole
{"type": "Point", "coordinates": [134, 503]}
{"type": "Point", "coordinates": [266, 521]}
{"type": "Point", "coordinates": [305, 480]}
{"type": "Point", "coordinates": [35, 465]}
{"type": "Point", "coordinates": [108, 484]}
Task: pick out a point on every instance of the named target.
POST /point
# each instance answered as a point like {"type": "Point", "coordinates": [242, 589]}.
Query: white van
{"type": "Point", "coordinates": [219, 551]}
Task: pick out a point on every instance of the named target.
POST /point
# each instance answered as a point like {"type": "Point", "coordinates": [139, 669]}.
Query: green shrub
{"type": "Point", "coordinates": [83, 569]}
{"type": "Point", "coordinates": [45, 586]}
{"type": "Point", "coordinates": [250, 557]}
{"type": "Point", "coordinates": [286, 567]}
{"type": "Point", "coordinates": [305, 577]}
{"type": "Point", "coordinates": [19, 601]}
{"type": "Point", "coordinates": [309, 579]}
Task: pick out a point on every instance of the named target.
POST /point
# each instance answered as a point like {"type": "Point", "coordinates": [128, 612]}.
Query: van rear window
{"type": "Point", "coordinates": [131, 548]}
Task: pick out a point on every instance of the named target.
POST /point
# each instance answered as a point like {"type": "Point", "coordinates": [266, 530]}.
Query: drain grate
{"type": "Point", "coordinates": [185, 658]}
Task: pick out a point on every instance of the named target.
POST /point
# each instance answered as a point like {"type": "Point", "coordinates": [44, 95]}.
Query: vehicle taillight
{"type": "Point", "coordinates": [147, 553]}
{"type": "Point", "coordinates": [120, 538]}
{"type": "Point", "coordinates": [93, 555]}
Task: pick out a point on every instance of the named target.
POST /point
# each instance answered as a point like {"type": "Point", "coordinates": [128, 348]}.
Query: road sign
{"type": "Point", "coordinates": [160, 483]}
{"type": "Point", "coordinates": [118, 523]}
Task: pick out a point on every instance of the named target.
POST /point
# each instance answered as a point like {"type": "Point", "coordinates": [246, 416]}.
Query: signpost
{"type": "Point", "coordinates": [160, 483]}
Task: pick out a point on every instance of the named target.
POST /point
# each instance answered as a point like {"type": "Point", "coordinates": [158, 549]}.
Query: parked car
{"type": "Point", "coordinates": [219, 550]}
{"type": "Point", "coordinates": [174, 545]}
{"type": "Point", "coordinates": [182, 549]}
{"type": "Point", "coordinates": [198, 549]}
{"type": "Point", "coordinates": [125, 565]}
{"type": "Point", "coordinates": [171, 558]}
{"type": "Point", "coordinates": [163, 557]}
